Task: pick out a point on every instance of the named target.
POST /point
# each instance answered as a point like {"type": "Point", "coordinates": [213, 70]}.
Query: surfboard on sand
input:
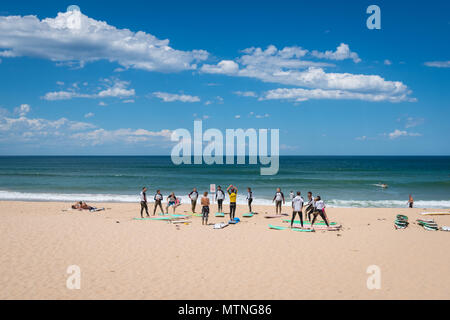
{"type": "Point", "coordinates": [248, 215]}
{"type": "Point", "coordinates": [220, 214]}
{"type": "Point", "coordinates": [180, 216]}
{"type": "Point", "coordinates": [435, 213]}
{"type": "Point", "coordinates": [317, 223]}
{"type": "Point", "coordinates": [156, 218]}
{"type": "Point", "coordinates": [294, 229]}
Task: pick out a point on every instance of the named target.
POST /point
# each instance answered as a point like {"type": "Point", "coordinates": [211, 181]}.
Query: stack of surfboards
{"type": "Point", "coordinates": [429, 224]}
{"type": "Point", "coordinates": [401, 222]}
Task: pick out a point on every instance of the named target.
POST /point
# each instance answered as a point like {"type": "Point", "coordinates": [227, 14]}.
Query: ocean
{"type": "Point", "coordinates": [342, 181]}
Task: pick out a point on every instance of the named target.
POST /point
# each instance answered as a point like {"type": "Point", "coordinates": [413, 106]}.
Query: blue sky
{"type": "Point", "coordinates": [134, 71]}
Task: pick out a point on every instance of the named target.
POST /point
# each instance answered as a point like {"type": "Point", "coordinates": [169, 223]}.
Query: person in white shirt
{"type": "Point", "coordinates": [158, 201]}
{"type": "Point", "coordinates": [193, 196]}
{"type": "Point", "coordinates": [249, 199]}
{"type": "Point", "coordinates": [291, 195]}
{"type": "Point", "coordinates": [278, 199]}
{"type": "Point", "coordinates": [297, 205]}
{"type": "Point", "coordinates": [309, 206]}
{"type": "Point", "coordinates": [143, 197]}
{"type": "Point", "coordinates": [320, 210]}
{"type": "Point", "coordinates": [220, 196]}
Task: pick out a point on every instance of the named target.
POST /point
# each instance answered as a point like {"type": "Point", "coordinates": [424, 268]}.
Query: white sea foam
{"type": "Point", "coordinates": [241, 199]}
{"type": "Point", "coordinates": [387, 203]}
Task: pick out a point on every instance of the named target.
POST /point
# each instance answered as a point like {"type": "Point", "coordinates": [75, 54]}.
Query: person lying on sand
{"type": "Point", "coordinates": [77, 205]}
{"type": "Point", "coordinates": [81, 205]}
{"type": "Point", "coordinates": [319, 210]}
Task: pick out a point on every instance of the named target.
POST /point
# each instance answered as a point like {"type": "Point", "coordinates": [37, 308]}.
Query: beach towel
{"type": "Point", "coordinates": [220, 225]}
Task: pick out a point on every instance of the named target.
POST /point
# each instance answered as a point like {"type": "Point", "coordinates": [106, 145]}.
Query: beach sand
{"type": "Point", "coordinates": [121, 258]}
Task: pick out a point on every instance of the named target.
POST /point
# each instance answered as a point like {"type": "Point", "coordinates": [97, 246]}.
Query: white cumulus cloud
{"type": "Point", "coordinates": [288, 67]}
{"type": "Point", "coordinates": [402, 133]}
{"type": "Point", "coordinates": [438, 64]}
{"type": "Point", "coordinates": [113, 88]}
{"type": "Point", "coordinates": [172, 97]}
{"type": "Point", "coordinates": [74, 37]}
{"type": "Point", "coordinates": [342, 52]}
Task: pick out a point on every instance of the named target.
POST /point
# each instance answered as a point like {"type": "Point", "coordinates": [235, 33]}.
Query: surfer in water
{"type": "Point", "coordinates": [410, 201]}
{"type": "Point", "coordinates": [278, 199]}
{"type": "Point", "coordinates": [297, 205]}
{"type": "Point", "coordinates": [320, 210]}
{"type": "Point", "coordinates": [205, 208]}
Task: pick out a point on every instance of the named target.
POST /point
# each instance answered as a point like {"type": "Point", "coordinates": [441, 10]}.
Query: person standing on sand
{"type": "Point", "coordinates": [297, 205]}
{"type": "Point", "coordinates": [249, 199]}
{"type": "Point", "coordinates": [220, 195]}
{"type": "Point", "coordinates": [279, 199]}
{"type": "Point", "coordinates": [291, 195]}
{"type": "Point", "coordinates": [320, 210]}
{"type": "Point", "coordinates": [158, 201]}
{"type": "Point", "coordinates": [143, 197]}
{"type": "Point", "coordinates": [410, 201]}
{"type": "Point", "coordinates": [193, 196]}
{"type": "Point", "coordinates": [171, 202]}
{"type": "Point", "coordinates": [205, 208]}
{"type": "Point", "coordinates": [309, 206]}
{"type": "Point", "coordinates": [232, 192]}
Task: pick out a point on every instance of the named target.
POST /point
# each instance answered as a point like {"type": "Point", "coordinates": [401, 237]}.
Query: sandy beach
{"type": "Point", "coordinates": [121, 258]}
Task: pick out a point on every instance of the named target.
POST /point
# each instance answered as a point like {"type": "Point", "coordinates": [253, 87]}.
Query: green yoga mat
{"type": "Point", "coordinates": [179, 215]}
{"type": "Point", "coordinates": [308, 223]}
{"type": "Point", "coordinates": [277, 227]}
{"type": "Point", "coordinates": [303, 230]}
{"type": "Point", "coordinates": [220, 214]}
{"type": "Point", "coordinates": [158, 218]}
{"type": "Point", "coordinates": [294, 229]}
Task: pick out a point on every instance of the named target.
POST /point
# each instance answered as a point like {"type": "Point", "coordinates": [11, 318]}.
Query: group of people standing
{"type": "Point", "coordinates": [314, 206]}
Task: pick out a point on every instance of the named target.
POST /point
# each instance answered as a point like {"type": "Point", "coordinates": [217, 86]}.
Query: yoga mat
{"type": "Point", "coordinates": [307, 222]}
